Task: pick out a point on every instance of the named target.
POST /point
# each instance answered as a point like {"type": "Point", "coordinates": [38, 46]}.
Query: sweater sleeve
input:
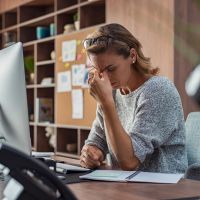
{"type": "Point", "coordinates": [156, 120]}
{"type": "Point", "coordinates": [97, 134]}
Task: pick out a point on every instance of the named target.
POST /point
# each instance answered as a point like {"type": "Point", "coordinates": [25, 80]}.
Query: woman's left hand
{"type": "Point", "coordinates": [100, 87]}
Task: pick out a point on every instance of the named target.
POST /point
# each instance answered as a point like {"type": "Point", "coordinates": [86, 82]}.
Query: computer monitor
{"type": "Point", "coordinates": [14, 123]}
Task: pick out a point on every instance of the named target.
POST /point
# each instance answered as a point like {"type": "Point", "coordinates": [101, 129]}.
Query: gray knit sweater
{"type": "Point", "coordinates": [152, 116]}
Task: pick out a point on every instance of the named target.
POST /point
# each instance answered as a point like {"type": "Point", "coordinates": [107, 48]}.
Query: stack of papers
{"type": "Point", "coordinates": [64, 168]}
{"type": "Point", "coordinates": [132, 176]}
{"type": "Point", "coordinates": [42, 154]}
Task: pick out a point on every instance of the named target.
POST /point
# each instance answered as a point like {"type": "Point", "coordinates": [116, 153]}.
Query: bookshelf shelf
{"type": "Point", "coordinates": [32, 123]}
{"type": "Point", "coordinates": [46, 62]}
{"type": "Point", "coordinates": [23, 21]}
{"type": "Point", "coordinates": [45, 86]}
{"type": "Point", "coordinates": [30, 86]}
{"type": "Point", "coordinates": [45, 124]}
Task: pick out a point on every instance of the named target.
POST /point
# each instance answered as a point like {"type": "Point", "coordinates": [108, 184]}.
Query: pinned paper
{"type": "Point", "coordinates": [66, 65]}
{"type": "Point", "coordinates": [78, 74]}
{"type": "Point", "coordinates": [64, 82]}
{"type": "Point", "coordinates": [77, 104]}
{"type": "Point", "coordinates": [85, 78]}
{"type": "Point", "coordinates": [79, 56]}
{"type": "Point", "coordinates": [69, 51]}
{"type": "Point", "coordinates": [78, 42]}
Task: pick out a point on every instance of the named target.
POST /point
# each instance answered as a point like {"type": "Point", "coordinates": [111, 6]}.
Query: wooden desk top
{"type": "Point", "coordinates": [95, 190]}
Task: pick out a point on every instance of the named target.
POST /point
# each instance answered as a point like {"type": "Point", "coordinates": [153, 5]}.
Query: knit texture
{"type": "Point", "coordinates": [152, 116]}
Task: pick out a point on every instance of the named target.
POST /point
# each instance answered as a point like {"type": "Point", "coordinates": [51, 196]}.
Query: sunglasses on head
{"type": "Point", "coordinates": [101, 40]}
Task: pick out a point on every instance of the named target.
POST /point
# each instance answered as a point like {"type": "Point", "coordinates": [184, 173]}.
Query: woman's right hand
{"type": "Point", "coordinates": [91, 157]}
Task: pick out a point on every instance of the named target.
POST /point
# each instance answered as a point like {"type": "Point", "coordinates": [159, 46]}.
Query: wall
{"type": "Point", "coordinates": [186, 47]}
{"type": "Point", "coordinates": [152, 22]}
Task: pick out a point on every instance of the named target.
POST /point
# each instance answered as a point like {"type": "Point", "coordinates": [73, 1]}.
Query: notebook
{"type": "Point", "coordinates": [132, 176]}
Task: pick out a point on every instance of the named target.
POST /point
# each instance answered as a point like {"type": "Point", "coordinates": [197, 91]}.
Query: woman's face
{"type": "Point", "coordinates": [117, 68]}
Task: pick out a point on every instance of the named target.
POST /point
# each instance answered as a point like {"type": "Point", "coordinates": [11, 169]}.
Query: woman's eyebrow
{"type": "Point", "coordinates": [107, 67]}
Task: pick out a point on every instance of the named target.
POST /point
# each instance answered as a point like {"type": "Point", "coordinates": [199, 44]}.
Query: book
{"type": "Point", "coordinates": [44, 110]}
{"type": "Point", "coordinates": [132, 176]}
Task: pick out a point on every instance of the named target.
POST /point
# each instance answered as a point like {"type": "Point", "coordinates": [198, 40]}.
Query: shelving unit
{"type": "Point", "coordinates": [22, 22]}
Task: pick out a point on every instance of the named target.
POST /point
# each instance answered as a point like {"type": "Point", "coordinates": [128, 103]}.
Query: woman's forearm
{"type": "Point", "coordinates": [119, 140]}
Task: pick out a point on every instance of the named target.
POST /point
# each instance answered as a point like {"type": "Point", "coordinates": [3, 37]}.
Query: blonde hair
{"type": "Point", "coordinates": [120, 40]}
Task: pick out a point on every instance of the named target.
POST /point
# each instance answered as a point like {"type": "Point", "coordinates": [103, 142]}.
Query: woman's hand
{"type": "Point", "coordinates": [91, 157]}
{"type": "Point", "coordinates": [100, 87]}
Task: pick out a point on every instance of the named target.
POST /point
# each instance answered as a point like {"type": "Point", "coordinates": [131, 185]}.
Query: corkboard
{"type": "Point", "coordinates": [63, 102]}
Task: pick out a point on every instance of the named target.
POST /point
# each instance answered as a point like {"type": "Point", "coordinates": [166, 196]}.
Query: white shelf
{"type": "Point", "coordinates": [30, 86]}
{"type": "Point", "coordinates": [45, 62]}
{"type": "Point", "coordinates": [45, 86]}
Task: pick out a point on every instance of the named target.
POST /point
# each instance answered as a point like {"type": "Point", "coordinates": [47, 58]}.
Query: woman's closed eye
{"type": "Point", "coordinates": [111, 69]}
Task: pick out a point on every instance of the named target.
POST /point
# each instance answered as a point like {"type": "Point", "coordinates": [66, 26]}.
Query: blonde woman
{"type": "Point", "coordinates": [139, 119]}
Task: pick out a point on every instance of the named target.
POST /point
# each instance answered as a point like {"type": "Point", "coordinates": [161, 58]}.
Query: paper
{"type": "Point", "coordinates": [69, 51]}
{"type": "Point", "coordinates": [64, 81]}
{"type": "Point", "coordinates": [85, 78]}
{"type": "Point", "coordinates": [13, 189]}
{"type": "Point", "coordinates": [42, 154]}
{"type": "Point", "coordinates": [67, 167]}
{"type": "Point", "coordinates": [78, 72]}
{"type": "Point", "coordinates": [132, 176]}
{"type": "Point", "coordinates": [77, 104]}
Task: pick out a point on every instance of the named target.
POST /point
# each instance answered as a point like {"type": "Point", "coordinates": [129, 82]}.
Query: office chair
{"type": "Point", "coordinates": [192, 126]}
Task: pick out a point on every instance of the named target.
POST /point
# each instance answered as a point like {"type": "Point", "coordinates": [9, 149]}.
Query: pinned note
{"type": "Point", "coordinates": [79, 56]}
{"type": "Point", "coordinates": [85, 78]}
{"type": "Point", "coordinates": [77, 104]}
{"type": "Point", "coordinates": [78, 42]}
{"type": "Point", "coordinates": [69, 51]}
{"type": "Point", "coordinates": [67, 65]}
{"type": "Point", "coordinates": [64, 81]}
{"type": "Point", "coordinates": [78, 74]}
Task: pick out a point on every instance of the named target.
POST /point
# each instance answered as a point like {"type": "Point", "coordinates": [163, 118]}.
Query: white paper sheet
{"type": "Point", "coordinates": [69, 51]}
{"type": "Point", "coordinates": [78, 72]}
{"type": "Point", "coordinates": [67, 167]}
{"type": "Point", "coordinates": [64, 81]}
{"type": "Point", "coordinates": [77, 104]}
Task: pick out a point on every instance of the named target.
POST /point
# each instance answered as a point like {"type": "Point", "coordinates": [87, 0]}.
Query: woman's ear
{"type": "Point", "coordinates": [133, 55]}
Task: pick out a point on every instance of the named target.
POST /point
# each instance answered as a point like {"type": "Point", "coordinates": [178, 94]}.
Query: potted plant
{"type": "Point", "coordinates": [76, 21]}
{"type": "Point", "coordinates": [29, 69]}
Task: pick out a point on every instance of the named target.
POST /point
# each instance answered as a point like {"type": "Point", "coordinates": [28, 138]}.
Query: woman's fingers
{"type": "Point", "coordinates": [87, 162]}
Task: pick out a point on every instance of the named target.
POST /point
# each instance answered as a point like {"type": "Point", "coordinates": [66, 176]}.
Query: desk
{"type": "Point", "coordinates": [138, 191]}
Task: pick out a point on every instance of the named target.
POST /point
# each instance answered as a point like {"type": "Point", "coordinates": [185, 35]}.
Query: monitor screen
{"type": "Point", "coordinates": [14, 123]}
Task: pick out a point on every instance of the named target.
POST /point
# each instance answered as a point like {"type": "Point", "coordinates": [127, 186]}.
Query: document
{"type": "Point", "coordinates": [132, 176]}
{"type": "Point", "coordinates": [69, 51]}
{"type": "Point", "coordinates": [64, 81]}
{"type": "Point", "coordinates": [67, 168]}
{"type": "Point", "coordinates": [78, 74]}
{"type": "Point", "coordinates": [77, 104]}
{"type": "Point", "coordinates": [42, 154]}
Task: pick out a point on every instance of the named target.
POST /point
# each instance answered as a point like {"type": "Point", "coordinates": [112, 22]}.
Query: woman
{"type": "Point", "coordinates": [139, 119]}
